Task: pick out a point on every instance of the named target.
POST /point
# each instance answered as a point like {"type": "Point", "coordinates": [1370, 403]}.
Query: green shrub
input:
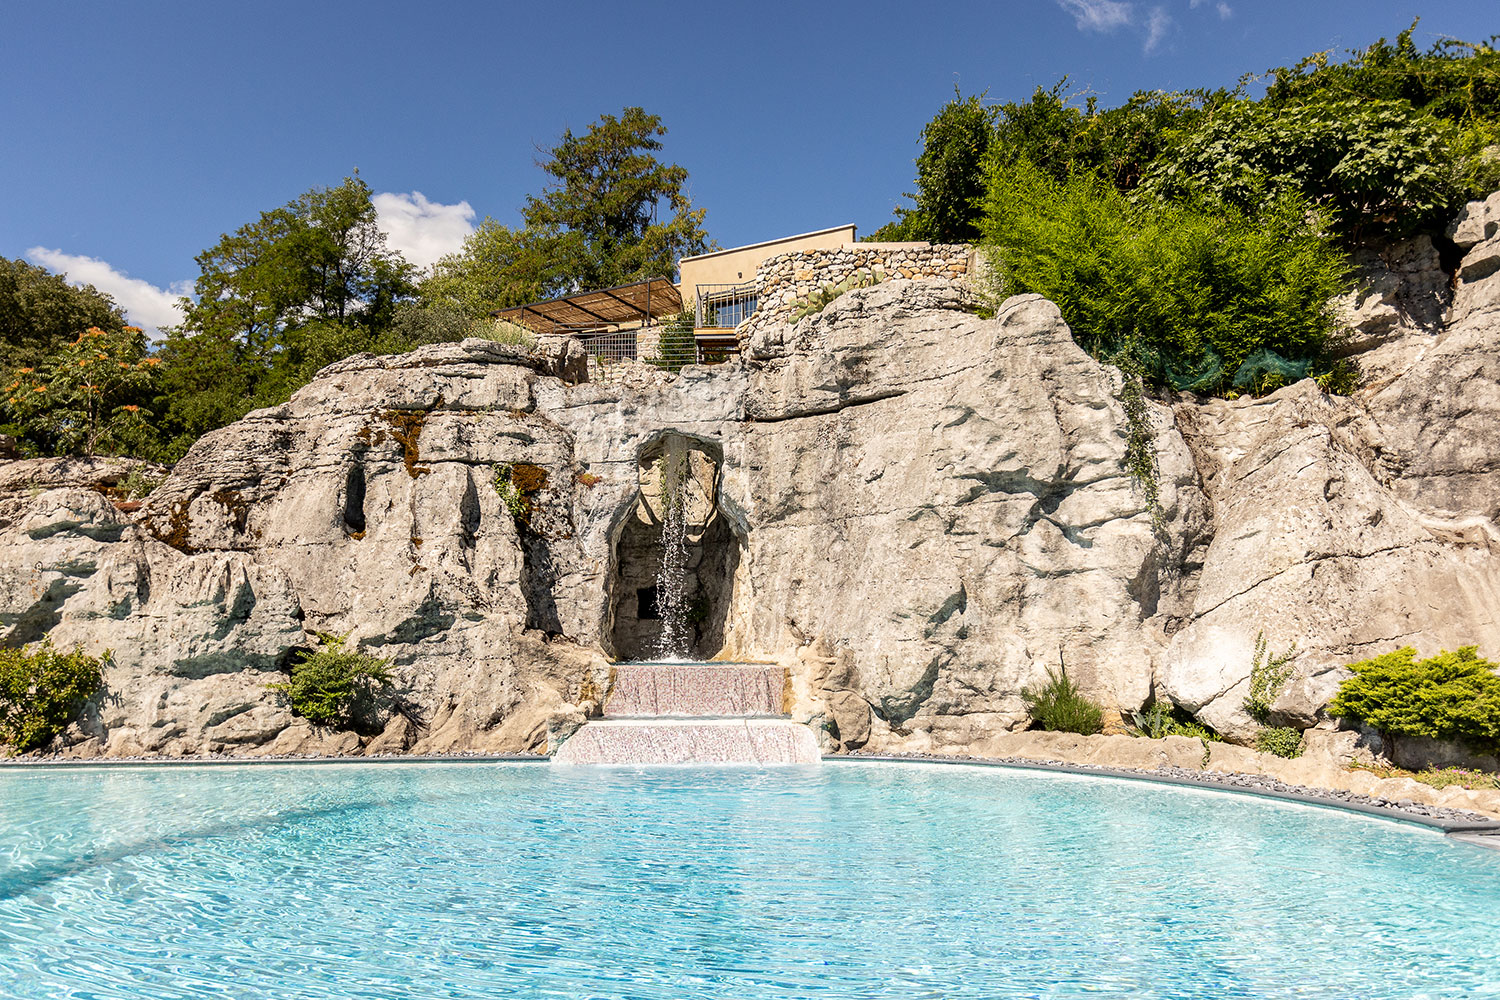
{"type": "Point", "coordinates": [1444, 777]}
{"type": "Point", "coordinates": [1283, 741]}
{"type": "Point", "coordinates": [42, 691]}
{"type": "Point", "coordinates": [1373, 166]}
{"type": "Point", "coordinates": [330, 686]}
{"type": "Point", "coordinates": [1162, 719]}
{"type": "Point", "coordinates": [1268, 675]}
{"type": "Point", "coordinates": [1196, 296]}
{"type": "Point", "coordinates": [1060, 708]}
{"type": "Point", "coordinates": [503, 332]}
{"type": "Point", "coordinates": [1450, 696]}
{"type": "Point", "coordinates": [138, 484]}
{"type": "Point", "coordinates": [823, 296]}
{"type": "Point", "coordinates": [676, 345]}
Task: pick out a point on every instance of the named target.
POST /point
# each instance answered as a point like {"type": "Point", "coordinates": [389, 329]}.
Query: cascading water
{"type": "Point", "coordinates": [676, 708]}
{"type": "Point", "coordinates": [676, 640]}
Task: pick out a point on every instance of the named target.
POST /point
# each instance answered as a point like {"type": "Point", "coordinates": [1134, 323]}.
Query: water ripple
{"type": "Point", "coordinates": [470, 881]}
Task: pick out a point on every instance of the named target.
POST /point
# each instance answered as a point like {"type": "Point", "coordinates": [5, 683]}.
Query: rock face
{"type": "Point", "coordinates": [912, 511]}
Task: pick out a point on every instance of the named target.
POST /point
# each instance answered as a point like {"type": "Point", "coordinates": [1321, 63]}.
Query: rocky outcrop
{"type": "Point", "coordinates": [911, 509]}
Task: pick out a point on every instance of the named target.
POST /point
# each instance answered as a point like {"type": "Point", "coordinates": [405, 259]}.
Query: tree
{"type": "Point", "coordinates": [950, 171]}
{"type": "Point", "coordinates": [497, 268]}
{"type": "Point", "coordinates": [40, 312]}
{"type": "Point", "coordinates": [601, 217]}
{"type": "Point", "coordinates": [87, 397]}
{"type": "Point", "coordinates": [1374, 165]}
{"type": "Point", "coordinates": [320, 256]}
{"type": "Point", "coordinates": [302, 286]}
{"type": "Point", "coordinates": [1053, 131]}
{"type": "Point", "coordinates": [596, 227]}
{"type": "Point", "coordinates": [1454, 80]}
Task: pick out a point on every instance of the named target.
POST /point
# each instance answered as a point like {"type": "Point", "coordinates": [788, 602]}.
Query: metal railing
{"type": "Point", "coordinates": [665, 347]}
{"type": "Point", "coordinates": [725, 306]}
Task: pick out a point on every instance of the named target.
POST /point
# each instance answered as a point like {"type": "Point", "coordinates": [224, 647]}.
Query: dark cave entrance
{"type": "Point", "coordinates": [711, 553]}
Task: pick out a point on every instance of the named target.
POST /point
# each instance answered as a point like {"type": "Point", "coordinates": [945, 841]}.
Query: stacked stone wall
{"type": "Point", "coordinates": [787, 282]}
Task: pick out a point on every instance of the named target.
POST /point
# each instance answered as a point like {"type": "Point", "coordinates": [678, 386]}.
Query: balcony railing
{"type": "Point", "coordinates": [724, 306]}
{"type": "Point", "coordinates": [667, 347]}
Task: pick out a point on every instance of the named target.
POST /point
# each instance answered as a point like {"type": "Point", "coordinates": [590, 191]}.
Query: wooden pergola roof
{"type": "Point", "coordinates": [635, 302]}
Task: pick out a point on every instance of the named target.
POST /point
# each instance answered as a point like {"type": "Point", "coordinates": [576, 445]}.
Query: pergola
{"type": "Point", "coordinates": [582, 312]}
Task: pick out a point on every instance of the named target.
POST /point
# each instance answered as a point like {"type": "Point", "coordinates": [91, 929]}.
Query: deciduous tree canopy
{"type": "Point", "coordinates": [40, 312]}
{"type": "Point", "coordinates": [613, 214]}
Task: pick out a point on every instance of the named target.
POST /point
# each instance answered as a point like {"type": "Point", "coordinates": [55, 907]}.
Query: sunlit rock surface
{"type": "Point", "coordinates": [910, 510]}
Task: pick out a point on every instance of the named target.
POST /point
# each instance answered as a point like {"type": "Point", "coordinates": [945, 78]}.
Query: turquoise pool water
{"type": "Point", "coordinates": [850, 880]}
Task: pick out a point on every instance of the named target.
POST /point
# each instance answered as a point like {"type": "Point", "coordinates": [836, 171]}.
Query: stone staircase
{"type": "Point", "coordinates": [693, 713]}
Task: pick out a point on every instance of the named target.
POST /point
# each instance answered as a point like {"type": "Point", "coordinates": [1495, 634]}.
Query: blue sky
{"type": "Point", "coordinates": [134, 134]}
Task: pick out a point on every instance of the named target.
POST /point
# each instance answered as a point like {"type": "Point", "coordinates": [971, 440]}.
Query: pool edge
{"type": "Point", "coordinates": [1486, 835]}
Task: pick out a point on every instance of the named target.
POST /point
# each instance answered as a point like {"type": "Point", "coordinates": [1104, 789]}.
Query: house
{"type": "Point", "coordinates": [641, 320]}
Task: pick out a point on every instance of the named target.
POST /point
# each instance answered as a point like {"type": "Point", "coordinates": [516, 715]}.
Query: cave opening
{"type": "Point", "coordinates": [676, 555]}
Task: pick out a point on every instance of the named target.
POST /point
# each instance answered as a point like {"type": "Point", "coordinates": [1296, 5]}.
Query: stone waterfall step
{"type": "Point", "coordinates": [696, 689]}
{"type": "Point", "coordinates": [690, 741]}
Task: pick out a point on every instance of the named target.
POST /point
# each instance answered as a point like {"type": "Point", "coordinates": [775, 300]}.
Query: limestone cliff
{"type": "Point", "coordinates": [915, 509]}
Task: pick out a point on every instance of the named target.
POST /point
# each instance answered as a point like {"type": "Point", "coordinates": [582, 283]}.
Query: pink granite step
{"type": "Point", "coordinates": [690, 741]}
{"type": "Point", "coordinates": [695, 689]}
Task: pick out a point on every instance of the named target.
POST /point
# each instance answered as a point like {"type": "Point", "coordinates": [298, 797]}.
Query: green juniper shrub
{"type": "Point", "coordinates": [331, 686]}
{"type": "Point", "coordinates": [42, 691]}
{"type": "Point", "coordinates": [1283, 741]}
{"type": "Point", "coordinates": [1451, 696]}
{"type": "Point", "coordinates": [1061, 708]}
{"type": "Point", "coordinates": [1199, 296]}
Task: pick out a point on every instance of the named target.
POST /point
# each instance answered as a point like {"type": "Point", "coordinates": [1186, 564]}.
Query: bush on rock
{"type": "Point", "coordinates": [1194, 295]}
{"type": "Point", "coordinates": [1450, 696]}
{"type": "Point", "coordinates": [330, 686]}
{"type": "Point", "coordinates": [1283, 741]}
{"type": "Point", "coordinates": [42, 691]}
{"type": "Point", "coordinates": [1061, 708]}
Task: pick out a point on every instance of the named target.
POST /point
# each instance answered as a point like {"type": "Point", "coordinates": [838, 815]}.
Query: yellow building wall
{"type": "Point", "coordinates": [737, 265]}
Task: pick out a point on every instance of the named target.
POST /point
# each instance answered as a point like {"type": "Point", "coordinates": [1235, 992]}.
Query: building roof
{"type": "Point", "coordinates": [770, 243]}
{"type": "Point", "coordinates": [595, 310]}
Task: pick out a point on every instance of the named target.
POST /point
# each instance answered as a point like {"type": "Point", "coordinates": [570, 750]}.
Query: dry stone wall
{"type": "Point", "coordinates": [786, 283]}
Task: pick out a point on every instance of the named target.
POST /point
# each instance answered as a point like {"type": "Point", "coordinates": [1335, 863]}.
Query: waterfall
{"type": "Point", "coordinates": [676, 639]}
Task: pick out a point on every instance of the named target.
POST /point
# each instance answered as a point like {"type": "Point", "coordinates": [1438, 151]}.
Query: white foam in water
{"type": "Point", "coordinates": [671, 577]}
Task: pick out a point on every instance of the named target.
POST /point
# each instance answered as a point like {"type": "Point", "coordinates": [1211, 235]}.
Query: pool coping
{"type": "Point", "coordinates": [1485, 834]}
{"type": "Point", "coordinates": [202, 761]}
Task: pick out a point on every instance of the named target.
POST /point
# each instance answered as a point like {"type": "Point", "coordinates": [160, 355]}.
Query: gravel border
{"type": "Point", "coordinates": [1475, 827]}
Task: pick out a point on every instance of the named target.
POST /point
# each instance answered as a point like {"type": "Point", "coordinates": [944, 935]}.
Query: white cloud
{"type": "Point", "coordinates": [145, 305]}
{"type": "Point", "coordinates": [1110, 15]}
{"type": "Point", "coordinates": [422, 230]}
{"type": "Point", "coordinates": [1099, 15]}
{"type": "Point", "coordinates": [1225, 11]}
{"type": "Point", "coordinates": [1158, 23]}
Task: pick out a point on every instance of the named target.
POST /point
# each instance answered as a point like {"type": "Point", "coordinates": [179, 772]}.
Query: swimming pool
{"type": "Point", "coordinates": [846, 880]}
